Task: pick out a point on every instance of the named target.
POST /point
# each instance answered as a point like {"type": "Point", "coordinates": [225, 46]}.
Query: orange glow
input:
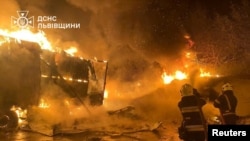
{"type": "Point", "coordinates": [188, 55]}
{"type": "Point", "coordinates": [207, 74]}
{"type": "Point", "coordinates": [27, 35]}
{"type": "Point", "coordinates": [71, 51]}
{"type": "Point", "coordinates": [106, 94]}
{"type": "Point", "coordinates": [188, 63]}
{"type": "Point", "coordinates": [43, 104]}
{"type": "Point", "coordinates": [204, 74]}
{"type": "Point", "coordinates": [180, 75]}
{"type": "Point", "coordinates": [167, 79]}
{"type": "Point", "coordinates": [65, 78]}
{"type": "Point", "coordinates": [21, 114]}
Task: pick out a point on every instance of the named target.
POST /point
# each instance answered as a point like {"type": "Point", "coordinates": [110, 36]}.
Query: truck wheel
{"type": "Point", "coordinates": [4, 120]}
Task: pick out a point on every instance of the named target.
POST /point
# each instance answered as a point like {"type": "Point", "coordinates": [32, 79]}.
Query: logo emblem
{"type": "Point", "coordinates": [22, 21]}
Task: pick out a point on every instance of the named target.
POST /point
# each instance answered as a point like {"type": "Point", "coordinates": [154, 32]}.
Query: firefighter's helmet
{"type": "Point", "coordinates": [186, 90]}
{"type": "Point", "coordinates": [226, 87]}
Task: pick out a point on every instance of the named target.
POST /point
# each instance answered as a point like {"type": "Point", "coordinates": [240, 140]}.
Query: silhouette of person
{"type": "Point", "coordinates": [193, 126]}
{"type": "Point", "coordinates": [227, 103]}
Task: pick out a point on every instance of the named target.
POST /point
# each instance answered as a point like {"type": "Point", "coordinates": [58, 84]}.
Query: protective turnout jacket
{"type": "Point", "coordinates": [190, 107]}
{"type": "Point", "coordinates": [193, 119]}
{"type": "Point", "coordinates": [227, 103]}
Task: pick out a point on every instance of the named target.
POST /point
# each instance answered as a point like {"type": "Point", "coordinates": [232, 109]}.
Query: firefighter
{"type": "Point", "coordinates": [227, 103]}
{"type": "Point", "coordinates": [193, 126]}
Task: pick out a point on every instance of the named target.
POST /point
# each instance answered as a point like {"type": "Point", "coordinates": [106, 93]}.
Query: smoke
{"type": "Point", "coordinates": [106, 26]}
{"type": "Point", "coordinates": [134, 36]}
{"type": "Point", "coordinates": [162, 101]}
{"type": "Point", "coordinates": [127, 39]}
{"type": "Point", "coordinates": [138, 38]}
{"type": "Point", "coordinates": [131, 35]}
{"type": "Point", "coordinates": [8, 9]}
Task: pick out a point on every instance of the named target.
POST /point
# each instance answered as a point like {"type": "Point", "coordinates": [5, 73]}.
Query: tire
{"type": "Point", "coordinates": [4, 120]}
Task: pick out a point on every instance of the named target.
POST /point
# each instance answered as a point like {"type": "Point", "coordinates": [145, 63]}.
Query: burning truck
{"type": "Point", "coordinates": [27, 71]}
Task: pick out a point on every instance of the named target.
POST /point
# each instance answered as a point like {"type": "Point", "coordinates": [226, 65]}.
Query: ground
{"type": "Point", "coordinates": [151, 117]}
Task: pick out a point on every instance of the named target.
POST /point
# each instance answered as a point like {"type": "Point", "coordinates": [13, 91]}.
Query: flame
{"type": "Point", "coordinates": [106, 94]}
{"type": "Point", "coordinates": [204, 74]}
{"type": "Point", "coordinates": [188, 55]}
{"type": "Point", "coordinates": [189, 60]}
{"type": "Point", "coordinates": [65, 78]}
{"type": "Point", "coordinates": [179, 75]}
{"type": "Point", "coordinates": [21, 114]}
{"type": "Point", "coordinates": [167, 78]}
{"type": "Point", "coordinates": [71, 51]}
{"type": "Point", "coordinates": [41, 39]}
{"type": "Point", "coordinates": [27, 35]}
{"type": "Point", "coordinates": [43, 104]}
{"type": "Point", "coordinates": [207, 74]}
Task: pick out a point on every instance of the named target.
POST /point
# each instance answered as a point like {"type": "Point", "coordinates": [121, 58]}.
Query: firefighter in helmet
{"type": "Point", "coordinates": [227, 103]}
{"type": "Point", "coordinates": [193, 127]}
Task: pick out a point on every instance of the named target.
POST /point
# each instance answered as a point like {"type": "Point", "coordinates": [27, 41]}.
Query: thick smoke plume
{"type": "Point", "coordinates": [9, 8]}
{"type": "Point", "coordinates": [118, 31]}
{"type": "Point", "coordinates": [121, 32]}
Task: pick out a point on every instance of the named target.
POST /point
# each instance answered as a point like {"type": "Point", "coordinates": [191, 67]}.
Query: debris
{"type": "Point", "coordinates": [125, 112]}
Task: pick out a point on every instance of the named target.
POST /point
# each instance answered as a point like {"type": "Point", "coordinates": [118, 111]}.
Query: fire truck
{"type": "Point", "coordinates": [27, 71]}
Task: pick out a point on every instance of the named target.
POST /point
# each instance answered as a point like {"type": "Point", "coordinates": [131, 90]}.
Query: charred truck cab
{"type": "Point", "coordinates": [27, 70]}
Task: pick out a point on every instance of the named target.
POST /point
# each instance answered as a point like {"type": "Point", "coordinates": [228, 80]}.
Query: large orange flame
{"type": "Point", "coordinates": [27, 35]}
{"type": "Point", "coordinates": [71, 51]}
{"type": "Point", "coordinates": [188, 61]}
{"type": "Point", "coordinates": [179, 75]}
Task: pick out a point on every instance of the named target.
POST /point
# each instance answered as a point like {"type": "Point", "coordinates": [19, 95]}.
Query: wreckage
{"type": "Point", "coordinates": [27, 71]}
{"type": "Point", "coordinates": [52, 92]}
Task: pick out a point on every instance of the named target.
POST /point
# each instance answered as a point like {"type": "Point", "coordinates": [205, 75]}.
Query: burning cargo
{"type": "Point", "coordinates": [27, 71]}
